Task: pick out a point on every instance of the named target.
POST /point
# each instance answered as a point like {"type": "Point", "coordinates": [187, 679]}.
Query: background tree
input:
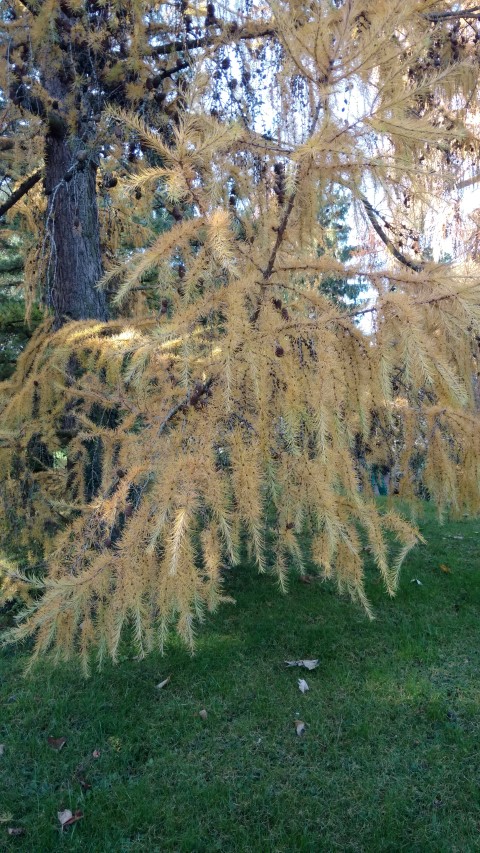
{"type": "Point", "coordinates": [243, 390]}
{"type": "Point", "coordinates": [336, 229]}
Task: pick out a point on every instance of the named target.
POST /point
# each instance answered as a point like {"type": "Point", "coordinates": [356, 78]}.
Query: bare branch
{"type": "Point", "coordinates": [474, 12]}
{"type": "Point", "coordinates": [184, 45]}
{"type": "Point", "coordinates": [280, 234]}
{"type": "Point", "coordinates": [386, 239]}
{"type": "Point", "coordinates": [21, 190]}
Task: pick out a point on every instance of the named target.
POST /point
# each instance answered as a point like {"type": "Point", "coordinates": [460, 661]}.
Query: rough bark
{"type": "Point", "coordinates": [73, 239]}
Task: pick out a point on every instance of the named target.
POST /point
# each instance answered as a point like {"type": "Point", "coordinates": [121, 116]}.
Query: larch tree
{"type": "Point", "coordinates": [61, 65]}
{"type": "Point", "coordinates": [241, 403]}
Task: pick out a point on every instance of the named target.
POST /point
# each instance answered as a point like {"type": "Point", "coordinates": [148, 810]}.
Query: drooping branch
{"type": "Point", "coordinates": [371, 213]}
{"type": "Point", "coordinates": [21, 190]}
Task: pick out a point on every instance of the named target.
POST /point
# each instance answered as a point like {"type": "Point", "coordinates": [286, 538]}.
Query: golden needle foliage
{"type": "Point", "coordinates": [252, 406]}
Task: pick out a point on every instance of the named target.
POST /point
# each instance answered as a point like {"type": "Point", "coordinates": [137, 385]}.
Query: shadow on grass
{"type": "Point", "coordinates": [389, 760]}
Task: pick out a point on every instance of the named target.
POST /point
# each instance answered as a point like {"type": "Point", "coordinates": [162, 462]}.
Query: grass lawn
{"type": "Point", "coordinates": [390, 759]}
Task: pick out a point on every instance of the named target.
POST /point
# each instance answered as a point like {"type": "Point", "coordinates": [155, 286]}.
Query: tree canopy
{"type": "Point", "coordinates": [233, 399]}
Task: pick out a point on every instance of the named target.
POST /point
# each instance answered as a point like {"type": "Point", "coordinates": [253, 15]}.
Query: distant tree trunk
{"type": "Point", "coordinates": [73, 235]}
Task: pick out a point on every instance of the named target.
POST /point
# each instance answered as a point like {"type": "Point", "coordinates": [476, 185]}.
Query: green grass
{"type": "Point", "coordinates": [390, 759]}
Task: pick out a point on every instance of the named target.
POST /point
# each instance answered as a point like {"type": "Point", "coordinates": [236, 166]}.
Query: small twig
{"type": "Point", "coordinates": [181, 65]}
{"type": "Point", "coordinates": [290, 204]}
{"type": "Point", "coordinates": [371, 213]}
{"type": "Point", "coordinates": [280, 234]}
{"type": "Point", "coordinates": [189, 400]}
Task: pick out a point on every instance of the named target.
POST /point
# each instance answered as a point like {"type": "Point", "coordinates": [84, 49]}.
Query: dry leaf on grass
{"type": "Point", "coordinates": [302, 685]}
{"type": "Point", "coordinates": [308, 664]}
{"type": "Point", "coordinates": [66, 817]}
{"type": "Point", "coordinates": [57, 743]}
{"type": "Point", "coordinates": [444, 568]}
{"type": "Point", "coordinates": [16, 830]}
{"type": "Point", "coordinates": [163, 683]}
{"type": "Point", "coordinates": [203, 714]}
{"type": "Point", "coordinates": [299, 727]}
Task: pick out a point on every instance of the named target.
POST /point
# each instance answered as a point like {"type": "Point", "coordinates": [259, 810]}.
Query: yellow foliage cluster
{"type": "Point", "coordinates": [251, 406]}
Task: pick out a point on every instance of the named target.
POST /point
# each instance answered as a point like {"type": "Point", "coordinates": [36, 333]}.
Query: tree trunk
{"type": "Point", "coordinates": [73, 237]}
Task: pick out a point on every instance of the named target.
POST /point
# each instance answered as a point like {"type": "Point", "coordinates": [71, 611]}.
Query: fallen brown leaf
{"type": "Point", "coordinates": [163, 683]}
{"type": "Point", "coordinates": [444, 568]}
{"type": "Point", "coordinates": [203, 714]}
{"type": "Point", "coordinates": [67, 817]}
{"type": "Point", "coordinates": [16, 830]}
{"type": "Point", "coordinates": [77, 815]}
{"type": "Point", "coordinates": [299, 727]}
{"type": "Point", "coordinates": [57, 743]}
